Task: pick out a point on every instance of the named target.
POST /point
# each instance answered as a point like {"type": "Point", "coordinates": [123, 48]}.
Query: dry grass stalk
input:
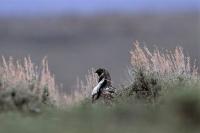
{"type": "Point", "coordinates": [41, 82]}
{"type": "Point", "coordinates": [83, 89]}
{"type": "Point", "coordinates": [164, 63]}
{"type": "Point", "coordinates": [37, 79]}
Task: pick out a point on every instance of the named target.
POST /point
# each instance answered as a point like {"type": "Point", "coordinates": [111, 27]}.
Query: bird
{"type": "Point", "coordinates": [104, 84]}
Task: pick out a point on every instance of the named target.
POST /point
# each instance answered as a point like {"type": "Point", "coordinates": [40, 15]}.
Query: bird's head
{"type": "Point", "coordinates": [99, 71]}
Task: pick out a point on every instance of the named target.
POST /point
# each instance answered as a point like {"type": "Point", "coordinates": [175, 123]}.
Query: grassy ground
{"type": "Point", "coordinates": [178, 114]}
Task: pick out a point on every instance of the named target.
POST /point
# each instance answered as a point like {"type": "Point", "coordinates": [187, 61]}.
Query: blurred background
{"type": "Point", "coordinates": [79, 34]}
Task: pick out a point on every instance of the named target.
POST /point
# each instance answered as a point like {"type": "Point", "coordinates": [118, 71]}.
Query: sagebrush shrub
{"type": "Point", "coordinates": [153, 72]}
{"type": "Point", "coordinates": [24, 85]}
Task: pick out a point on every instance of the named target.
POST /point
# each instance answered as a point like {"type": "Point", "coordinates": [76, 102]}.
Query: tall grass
{"type": "Point", "coordinates": [83, 89]}
{"type": "Point", "coordinates": [153, 73]}
{"type": "Point", "coordinates": [164, 63]}
{"type": "Point", "coordinates": [23, 84]}
{"type": "Point", "coordinates": [26, 86]}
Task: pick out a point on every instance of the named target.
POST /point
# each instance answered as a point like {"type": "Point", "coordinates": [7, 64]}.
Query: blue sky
{"type": "Point", "coordinates": [23, 7]}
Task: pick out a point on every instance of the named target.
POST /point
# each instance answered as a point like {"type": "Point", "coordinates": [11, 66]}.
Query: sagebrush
{"type": "Point", "coordinates": [24, 85]}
